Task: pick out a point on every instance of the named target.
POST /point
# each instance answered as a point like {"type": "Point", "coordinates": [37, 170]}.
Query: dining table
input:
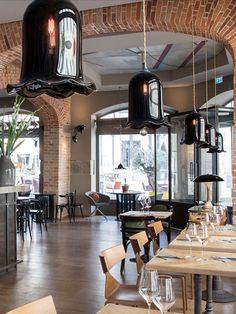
{"type": "Point", "coordinates": [214, 264]}
{"type": "Point", "coordinates": [164, 216]}
{"type": "Point", "coordinates": [118, 309]}
{"type": "Point", "coordinates": [214, 243]}
{"type": "Point", "coordinates": [125, 201]}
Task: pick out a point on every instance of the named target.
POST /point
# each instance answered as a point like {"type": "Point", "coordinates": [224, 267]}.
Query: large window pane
{"type": "Point", "coordinates": [225, 167]}
{"type": "Point", "coordinates": [135, 153]}
{"type": "Point", "coordinates": [162, 164]}
{"type": "Point", "coordinates": [182, 164]}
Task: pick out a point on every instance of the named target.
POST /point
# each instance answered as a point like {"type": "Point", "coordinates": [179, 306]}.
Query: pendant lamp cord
{"type": "Point", "coordinates": [214, 52]}
{"type": "Point", "coordinates": [194, 89]}
{"type": "Point", "coordinates": [144, 37]}
{"type": "Point", "coordinates": [206, 82]}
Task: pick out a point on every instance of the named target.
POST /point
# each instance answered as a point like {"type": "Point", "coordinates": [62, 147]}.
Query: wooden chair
{"type": "Point", "coordinates": [114, 291]}
{"type": "Point", "coordinates": [138, 242]}
{"type": "Point", "coordinates": [41, 306]}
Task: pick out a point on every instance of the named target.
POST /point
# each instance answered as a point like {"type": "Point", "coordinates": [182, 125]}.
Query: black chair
{"type": "Point", "coordinates": [73, 205]}
{"type": "Point", "coordinates": [23, 217]}
{"type": "Point", "coordinates": [70, 205]}
{"type": "Point", "coordinates": [130, 226]}
{"type": "Point", "coordinates": [39, 211]}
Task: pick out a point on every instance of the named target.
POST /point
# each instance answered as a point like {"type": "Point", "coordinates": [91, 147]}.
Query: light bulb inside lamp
{"type": "Point", "coordinates": [208, 204]}
{"type": "Point", "coordinates": [143, 131]}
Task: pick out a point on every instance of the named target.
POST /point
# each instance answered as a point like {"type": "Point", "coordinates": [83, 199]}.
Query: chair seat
{"type": "Point", "coordinates": [127, 295]}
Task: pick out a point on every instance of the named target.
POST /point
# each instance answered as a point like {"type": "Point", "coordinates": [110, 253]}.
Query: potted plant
{"type": "Point", "coordinates": [11, 129]}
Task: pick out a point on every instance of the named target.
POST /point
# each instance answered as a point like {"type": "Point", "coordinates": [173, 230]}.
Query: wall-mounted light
{"type": "Point", "coordinates": [78, 129]}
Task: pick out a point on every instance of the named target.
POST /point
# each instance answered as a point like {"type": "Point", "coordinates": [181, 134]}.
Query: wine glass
{"type": "Point", "coordinates": [165, 298]}
{"type": "Point", "coordinates": [148, 203]}
{"type": "Point", "coordinates": [148, 286]}
{"type": "Point", "coordinates": [190, 234]}
{"type": "Point", "coordinates": [142, 203]}
{"type": "Point", "coordinates": [202, 237]}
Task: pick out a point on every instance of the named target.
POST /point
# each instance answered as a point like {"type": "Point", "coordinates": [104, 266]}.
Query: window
{"type": "Point", "coordinates": [135, 153]}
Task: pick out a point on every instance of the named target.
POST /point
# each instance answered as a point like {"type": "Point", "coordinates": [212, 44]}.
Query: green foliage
{"type": "Point", "coordinates": [144, 161]}
{"type": "Point", "coordinates": [11, 131]}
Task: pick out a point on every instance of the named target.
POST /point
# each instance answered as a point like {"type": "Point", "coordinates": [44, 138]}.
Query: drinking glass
{"type": "Point", "coordinates": [202, 237]}
{"type": "Point", "coordinates": [142, 203]}
{"type": "Point", "coordinates": [148, 286]}
{"type": "Point", "coordinates": [165, 298]}
{"type": "Point", "coordinates": [190, 234]}
{"type": "Point", "coordinates": [148, 203]}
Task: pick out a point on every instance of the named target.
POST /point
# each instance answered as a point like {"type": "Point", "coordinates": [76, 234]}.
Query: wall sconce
{"type": "Point", "coordinates": [78, 129]}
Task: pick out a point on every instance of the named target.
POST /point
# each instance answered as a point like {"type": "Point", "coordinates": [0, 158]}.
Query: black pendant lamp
{"type": "Point", "coordinates": [210, 132]}
{"type": "Point", "coordinates": [51, 51]}
{"type": "Point", "coordinates": [219, 148]}
{"type": "Point", "coordinates": [219, 140]}
{"type": "Point", "coordinates": [194, 124]}
{"type": "Point", "coordinates": [145, 95]}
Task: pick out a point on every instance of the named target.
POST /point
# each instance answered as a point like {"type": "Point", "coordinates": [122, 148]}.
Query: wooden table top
{"type": "Point", "coordinates": [155, 214]}
{"type": "Point", "coordinates": [175, 261]}
{"type": "Point", "coordinates": [118, 309]}
{"type": "Point", "coordinates": [214, 243]}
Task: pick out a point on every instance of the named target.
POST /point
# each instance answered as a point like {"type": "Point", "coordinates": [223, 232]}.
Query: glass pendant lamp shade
{"type": "Point", "coordinates": [210, 137]}
{"type": "Point", "coordinates": [219, 148]}
{"type": "Point", "coordinates": [194, 129]}
{"type": "Point", "coordinates": [51, 51]}
{"type": "Point", "coordinates": [145, 101]}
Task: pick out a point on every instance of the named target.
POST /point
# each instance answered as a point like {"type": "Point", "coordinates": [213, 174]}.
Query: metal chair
{"type": "Point", "coordinates": [98, 200]}
{"type": "Point", "coordinates": [70, 205]}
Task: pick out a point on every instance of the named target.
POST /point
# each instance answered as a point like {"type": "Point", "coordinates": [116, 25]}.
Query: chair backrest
{"type": "Point", "coordinates": [138, 241]}
{"type": "Point", "coordinates": [154, 230]}
{"type": "Point", "coordinates": [96, 198]}
{"type": "Point", "coordinates": [43, 203]}
{"type": "Point", "coordinates": [109, 258]}
{"type": "Point", "coordinates": [41, 306]}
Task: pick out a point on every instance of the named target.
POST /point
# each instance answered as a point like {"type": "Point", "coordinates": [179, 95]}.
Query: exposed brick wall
{"type": "Point", "coordinates": [214, 19]}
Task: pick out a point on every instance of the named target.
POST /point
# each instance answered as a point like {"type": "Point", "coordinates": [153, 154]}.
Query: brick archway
{"type": "Point", "coordinates": [212, 19]}
{"type": "Point", "coordinates": [55, 118]}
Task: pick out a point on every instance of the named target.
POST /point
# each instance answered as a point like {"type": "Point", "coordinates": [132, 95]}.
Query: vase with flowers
{"type": "Point", "coordinates": [12, 128]}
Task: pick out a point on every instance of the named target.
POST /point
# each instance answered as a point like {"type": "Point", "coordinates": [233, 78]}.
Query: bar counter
{"type": "Point", "coordinates": [8, 198]}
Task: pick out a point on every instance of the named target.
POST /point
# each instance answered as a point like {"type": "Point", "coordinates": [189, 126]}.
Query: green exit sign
{"type": "Point", "coordinates": [219, 79]}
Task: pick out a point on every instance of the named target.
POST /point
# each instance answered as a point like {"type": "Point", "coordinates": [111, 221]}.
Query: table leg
{"type": "Point", "coordinates": [218, 294]}
{"type": "Point", "coordinates": [197, 294]}
{"type": "Point", "coordinates": [134, 202]}
{"type": "Point", "coordinates": [117, 207]}
{"type": "Point", "coordinates": [209, 307]}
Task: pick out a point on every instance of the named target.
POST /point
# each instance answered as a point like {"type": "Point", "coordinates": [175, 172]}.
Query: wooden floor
{"type": "Point", "coordinates": [64, 263]}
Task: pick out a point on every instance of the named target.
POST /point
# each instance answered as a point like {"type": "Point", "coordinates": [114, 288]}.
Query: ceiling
{"type": "Point", "coordinates": [111, 61]}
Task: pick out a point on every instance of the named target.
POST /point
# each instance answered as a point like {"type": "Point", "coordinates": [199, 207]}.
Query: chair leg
{"type": "Point", "coordinates": [57, 207]}
{"type": "Point", "coordinates": [81, 211]}
{"type": "Point", "coordinates": [28, 224]}
{"type": "Point", "coordinates": [61, 209]}
{"type": "Point", "coordinates": [99, 210]}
